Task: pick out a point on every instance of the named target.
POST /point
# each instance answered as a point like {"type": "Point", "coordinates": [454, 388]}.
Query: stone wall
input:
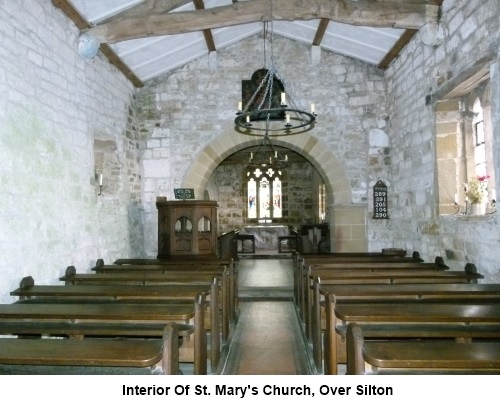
{"type": "Point", "coordinates": [56, 108]}
{"type": "Point", "coordinates": [189, 110]}
{"type": "Point", "coordinates": [300, 192]}
{"type": "Point", "coordinates": [472, 35]}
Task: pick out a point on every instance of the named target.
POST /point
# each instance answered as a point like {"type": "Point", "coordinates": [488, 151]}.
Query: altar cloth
{"type": "Point", "coordinates": [266, 236]}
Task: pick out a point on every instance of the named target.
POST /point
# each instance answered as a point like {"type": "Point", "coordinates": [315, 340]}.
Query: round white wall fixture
{"type": "Point", "coordinates": [88, 46]}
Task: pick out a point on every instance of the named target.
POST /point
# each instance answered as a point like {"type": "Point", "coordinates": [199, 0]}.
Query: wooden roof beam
{"type": "Point", "coordinates": [320, 32]}
{"type": "Point", "coordinates": [389, 13]}
{"type": "Point", "coordinates": [209, 39]}
{"type": "Point", "coordinates": [396, 49]}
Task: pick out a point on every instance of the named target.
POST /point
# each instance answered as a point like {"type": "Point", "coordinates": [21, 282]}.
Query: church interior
{"type": "Point", "coordinates": [317, 166]}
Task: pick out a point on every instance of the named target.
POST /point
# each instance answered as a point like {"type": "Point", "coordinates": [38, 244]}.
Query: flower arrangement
{"type": "Point", "coordinates": [477, 189]}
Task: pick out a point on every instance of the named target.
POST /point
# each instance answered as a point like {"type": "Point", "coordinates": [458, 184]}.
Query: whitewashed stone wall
{"type": "Point", "coordinates": [472, 34]}
{"type": "Point", "coordinates": [189, 108]}
{"type": "Point", "coordinates": [53, 104]}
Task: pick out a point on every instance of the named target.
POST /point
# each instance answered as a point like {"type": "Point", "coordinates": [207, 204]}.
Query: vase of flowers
{"type": "Point", "coordinates": [476, 190]}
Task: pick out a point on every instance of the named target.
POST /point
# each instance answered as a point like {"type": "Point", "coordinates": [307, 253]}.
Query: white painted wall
{"type": "Point", "coordinates": [53, 104]}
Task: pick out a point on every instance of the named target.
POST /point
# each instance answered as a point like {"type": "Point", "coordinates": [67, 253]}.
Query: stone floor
{"type": "Point", "coordinates": [268, 338]}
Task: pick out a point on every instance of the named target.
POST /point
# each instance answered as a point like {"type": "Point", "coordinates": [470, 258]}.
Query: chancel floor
{"type": "Point", "coordinates": [268, 338]}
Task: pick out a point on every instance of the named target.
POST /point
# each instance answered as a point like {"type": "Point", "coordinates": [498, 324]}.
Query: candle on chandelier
{"type": "Point", "coordinates": [248, 119]}
{"type": "Point", "coordinates": [240, 106]}
{"type": "Point", "coordinates": [275, 153]}
{"type": "Point", "coordinates": [288, 118]}
{"type": "Point", "coordinates": [493, 194]}
{"type": "Point", "coordinates": [100, 180]}
{"type": "Point", "coordinates": [283, 98]}
{"type": "Point", "coordinates": [456, 198]}
{"type": "Point", "coordinates": [313, 108]}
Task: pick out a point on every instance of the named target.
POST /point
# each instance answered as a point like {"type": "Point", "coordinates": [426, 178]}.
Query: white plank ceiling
{"type": "Point", "coordinates": [149, 57]}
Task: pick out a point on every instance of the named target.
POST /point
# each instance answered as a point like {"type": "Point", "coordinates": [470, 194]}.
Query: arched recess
{"type": "Point", "coordinates": [348, 224]}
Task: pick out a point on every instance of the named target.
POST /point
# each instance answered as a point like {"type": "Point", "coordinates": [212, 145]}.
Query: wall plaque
{"type": "Point", "coordinates": [380, 210]}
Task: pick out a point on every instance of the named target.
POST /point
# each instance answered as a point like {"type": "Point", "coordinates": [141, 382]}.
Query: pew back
{"type": "Point", "coordinates": [158, 356]}
{"type": "Point", "coordinates": [403, 313]}
{"type": "Point", "coordinates": [419, 357]}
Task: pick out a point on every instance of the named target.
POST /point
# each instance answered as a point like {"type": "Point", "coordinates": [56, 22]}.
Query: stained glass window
{"type": "Point", "coordinates": [264, 193]}
{"type": "Point", "coordinates": [252, 198]}
{"type": "Point", "coordinates": [277, 213]}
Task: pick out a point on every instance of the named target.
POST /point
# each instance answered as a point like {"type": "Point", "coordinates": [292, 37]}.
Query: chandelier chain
{"type": "Point", "coordinates": [263, 105]}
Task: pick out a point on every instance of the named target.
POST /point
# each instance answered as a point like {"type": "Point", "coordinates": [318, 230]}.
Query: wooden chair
{"type": "Point", "coordinates": [245, 238]}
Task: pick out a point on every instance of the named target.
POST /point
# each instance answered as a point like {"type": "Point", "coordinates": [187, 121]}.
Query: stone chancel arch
{"type": "Point", "coordinates": [347, 220]}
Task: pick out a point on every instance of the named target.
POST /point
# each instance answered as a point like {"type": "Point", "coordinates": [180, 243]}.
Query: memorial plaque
{"type": "Point", "coordinates": [380, 210]}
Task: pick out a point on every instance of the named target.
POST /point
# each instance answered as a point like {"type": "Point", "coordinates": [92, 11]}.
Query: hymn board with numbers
{"type": "Point", "coordinates": [380, 209]}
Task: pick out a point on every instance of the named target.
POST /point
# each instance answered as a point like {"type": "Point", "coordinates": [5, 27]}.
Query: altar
{"type": "Point", "coordinates": [266, 236]}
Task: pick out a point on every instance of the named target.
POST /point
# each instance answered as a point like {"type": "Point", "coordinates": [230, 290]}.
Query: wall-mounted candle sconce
{"type": "Point", "coordinates": [98, 178]}
{"type": "Point", "coordinates": [467, 207]}
{"type": "Point", "coordinates": [455, 204]}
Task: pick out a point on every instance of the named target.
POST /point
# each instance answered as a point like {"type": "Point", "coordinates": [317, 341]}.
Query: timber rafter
{"type": "Point", "coordinates": [155, 18]}
{"type": "Point", "coordinates": [152, 18]}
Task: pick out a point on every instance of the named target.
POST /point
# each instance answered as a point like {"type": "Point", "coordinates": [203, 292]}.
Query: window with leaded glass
{"type": "Point", "coordinates": [264, 193]}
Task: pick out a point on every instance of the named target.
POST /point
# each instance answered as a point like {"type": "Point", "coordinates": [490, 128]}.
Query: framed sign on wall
{"type": "Point", "coordinates": [380, 208]}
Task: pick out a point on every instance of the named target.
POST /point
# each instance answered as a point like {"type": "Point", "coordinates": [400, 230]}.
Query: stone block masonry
{"type": "Point", "coordinates": [195, 105]}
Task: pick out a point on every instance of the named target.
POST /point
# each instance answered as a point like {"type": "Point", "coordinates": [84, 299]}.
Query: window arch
{"type": "Point", "coordinates": [464, 146]}
{"type": "Point", "coordinates": [264, 192]}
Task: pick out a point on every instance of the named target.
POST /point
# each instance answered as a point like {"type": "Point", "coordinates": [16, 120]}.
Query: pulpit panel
{"type": "Point", "coordinates": [187, 227]}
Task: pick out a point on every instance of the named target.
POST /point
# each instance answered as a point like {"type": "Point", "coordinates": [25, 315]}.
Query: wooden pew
{"type": "Point", "coordinates": [323, 269]}
{"type": "Point", "coordinates": [302, 283]}
{"type": "Point", "coordinates": [390, 276]}
{"type": "Point", "coordinates": [118, 293]}
{"type": "Point", "coordinates": [114, 315]}
{"type": "Point", "coordinates": [57, 355]}
{"type": "Point", "coordinates": [372, 264]}
{"type": "Point", "coordinates": [135, 278]}
{"type": "Point", "coordinates": [164, 266]}
{"type": "Point", "coordinates": [390, 293]}
{"type": "Point", "coordinates": [419, 314]}
{"type": "Point", "coordinates": [300, 261]}
{"type": "Point", "coordinates": [346, 257]}
{"type": "Point", "coordinates": [384, 253]}
{"type": "Point", "coordinates": [300, 258]}
{"type": "Point", "coordinates": [158, 278]}
{"type": "Point", "coordinates": [419, 357]}
{"type": "Point", "coordinates": [176, 260]}
{"type": "Point", "coordinates": [310, 303]}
